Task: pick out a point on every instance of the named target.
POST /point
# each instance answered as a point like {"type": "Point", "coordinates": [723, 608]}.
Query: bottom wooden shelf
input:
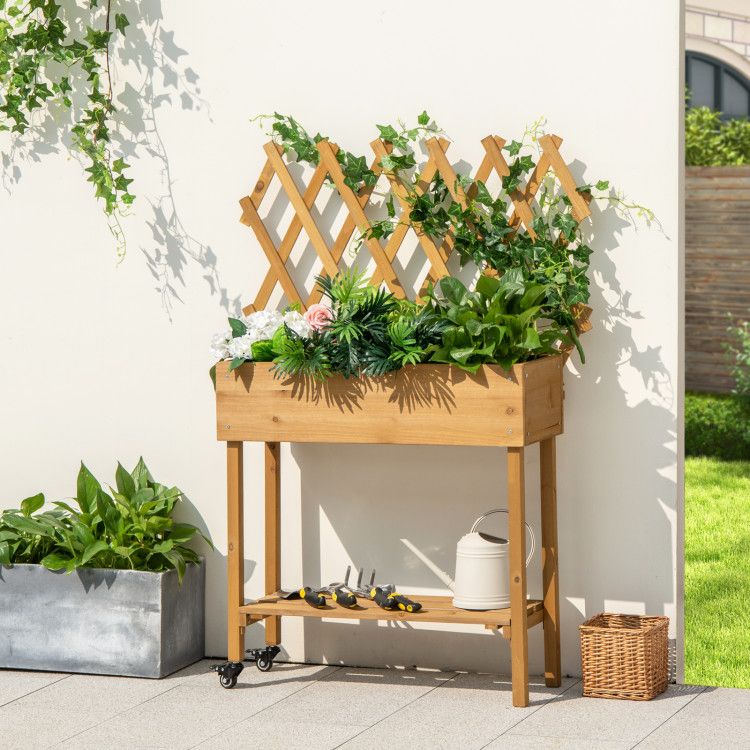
{"type": "Point", "coordinates": [434, 609]}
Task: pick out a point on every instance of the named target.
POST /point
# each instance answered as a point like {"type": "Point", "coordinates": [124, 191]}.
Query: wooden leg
{"type": "Point", "coordinates": [547, 462]}
{"type": "Point", "coordinates": [235, 553]}
{"type": "Point", "coordinates": [519, 646]}
{"type": "Point", "coordinates": [273, 536]}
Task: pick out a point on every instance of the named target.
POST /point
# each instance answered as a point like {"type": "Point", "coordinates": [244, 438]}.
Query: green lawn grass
{"type": "Point", "coordinates": [717, 572]}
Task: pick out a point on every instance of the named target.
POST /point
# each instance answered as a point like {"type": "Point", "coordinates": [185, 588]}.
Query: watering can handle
{"type": "Point", "coordinates": [503, 510]}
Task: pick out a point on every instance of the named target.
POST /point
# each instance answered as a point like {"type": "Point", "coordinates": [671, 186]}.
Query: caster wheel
{"type": "Point", "coordinates": [264, 664]}
{"type": "Point", "coordinates": [227, 681]}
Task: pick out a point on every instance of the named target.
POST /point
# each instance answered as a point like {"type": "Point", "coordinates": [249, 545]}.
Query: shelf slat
{"type": "Point", "coordinates": [434, 609]}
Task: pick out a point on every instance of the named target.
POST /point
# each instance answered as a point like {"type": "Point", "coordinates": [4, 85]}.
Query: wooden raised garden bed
{"type": "Point", "coordinates": [418, 405]}
{"type": "Point", "coordinates": [423, 404]}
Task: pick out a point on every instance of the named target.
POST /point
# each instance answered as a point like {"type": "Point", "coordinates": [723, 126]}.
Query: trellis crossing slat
{"type": "Point", "coordinates": [437, 255]}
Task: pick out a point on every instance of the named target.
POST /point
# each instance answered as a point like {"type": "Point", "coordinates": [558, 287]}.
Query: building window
{"type": "Point", "coordinates": [717, 86]}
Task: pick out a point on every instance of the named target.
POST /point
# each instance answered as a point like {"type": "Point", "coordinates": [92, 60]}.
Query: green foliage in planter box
{"type": "Point", "coordinates": [717, 426]}
{"type": "Point", "coordinates": [131, 528]}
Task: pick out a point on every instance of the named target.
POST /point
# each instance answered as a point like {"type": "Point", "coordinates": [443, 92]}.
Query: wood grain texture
{"type": "Point", "coordinates": [717, 270]}
{"type": "Point", "coordinates": [550, 582]}
{"type": "Point", "coordinates": [434, 609]}
{"type": "Point", "coordinates": [273, 533]}
{"type": "Point", "coordinates": [519, 645]}
{"type": "Point", "coordinates": [235, 553]}
{"type": "Point", "coordinates": [420, 405]}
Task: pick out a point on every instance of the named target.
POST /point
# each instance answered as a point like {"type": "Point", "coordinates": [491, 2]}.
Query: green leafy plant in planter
{"type": "Point", "coordinates": [131, 527]}
{"type": "Point", "coordinates": [533, 309]}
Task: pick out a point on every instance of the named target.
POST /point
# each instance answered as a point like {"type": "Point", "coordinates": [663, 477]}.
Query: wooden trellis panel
{"type": "Point", "coordinates": [522, 200]}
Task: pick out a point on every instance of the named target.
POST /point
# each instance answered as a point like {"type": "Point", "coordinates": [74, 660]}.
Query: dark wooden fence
{"type": "Point", "coordinates": [717, 270]}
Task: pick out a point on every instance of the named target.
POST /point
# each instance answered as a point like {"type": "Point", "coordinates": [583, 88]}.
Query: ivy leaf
{"type": "Point", "coordinates": [121, 22]}
{"type": "Point", "coordinates": [424, 118]}
{"type": "Point", "coordinates": [390, 207]}
{"type": "Point", "coordinates": [513, 148]}
{"type": "Point", "coordinates": [388, 133]}
{"type": "Point", "coordinates": [483, 195]}
{"type": "Point", "coordinates": [602, 185]}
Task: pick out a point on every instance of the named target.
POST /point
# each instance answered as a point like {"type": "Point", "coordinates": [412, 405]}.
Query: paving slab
{"type": "Point", "coordinates": [575, 718]}
{"type": "Point", "coordinates": [357, 696]}
{"type": "Point", "coordinates": [194, 709]}
{"type": "Point", "coordinates": [17, 683]}
{"type": "Point", "coordinates": [534, 742]}
{"type": "Point", "coordinates": [70, 705]}
{"type": "Point", "coordinates": [264, 732]}
{"type": "Point", "coordinates": [468, 711]}
{"type": "Point", "coordinates": [717, 719]}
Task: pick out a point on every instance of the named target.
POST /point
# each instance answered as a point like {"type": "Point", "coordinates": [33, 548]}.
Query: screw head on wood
{"type": "Point", "coordinates": [509, 410]}
{"type": "Point", "coordinates": [510, 430]}
{"type": "Point", "coordinates": [227, 426]}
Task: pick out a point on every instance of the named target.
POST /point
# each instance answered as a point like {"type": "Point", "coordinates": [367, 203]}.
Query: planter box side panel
{"type": "Point", "coordinates": [183, 622]}
{"type": "Point", "coordinates": [420, 405]}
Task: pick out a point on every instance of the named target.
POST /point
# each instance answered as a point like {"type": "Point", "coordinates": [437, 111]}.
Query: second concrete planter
{"type": "Point", "coordinates": [119, 622]}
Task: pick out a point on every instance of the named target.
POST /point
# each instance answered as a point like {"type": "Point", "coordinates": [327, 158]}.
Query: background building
{"type": "Point", "coordinates": [717, 47]}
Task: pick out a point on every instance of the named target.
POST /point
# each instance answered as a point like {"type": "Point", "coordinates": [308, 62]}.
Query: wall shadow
{"type": "Point", "coordinates": [151, 74]}
{"type": "Point", "coordinates": [621, 401]}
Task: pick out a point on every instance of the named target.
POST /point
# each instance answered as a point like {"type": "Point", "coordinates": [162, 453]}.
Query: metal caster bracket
{"type": "Point", "coordinates": [228, 672]}
{"type": "Point", "coordinates": [263, 657]}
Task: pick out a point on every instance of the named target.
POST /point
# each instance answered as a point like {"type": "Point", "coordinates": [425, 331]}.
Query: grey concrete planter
{"type": "Point", "coordinates": [121, 622]}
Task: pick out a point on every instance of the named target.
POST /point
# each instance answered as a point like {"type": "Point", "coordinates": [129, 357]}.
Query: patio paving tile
{"type": "Point", "coordinates": [468, 712]}
{"type": "Point", "coordinates": [717, 718]}
{"type": "Point", "coordinates": [70, 705]}
{"type": "Point", "coordinates": [191, 710]}
{"type": "Point", "coordinates": [264, 732]}
{"type": "Point", "coordinates": [354, 696]}
{"type": "Point", "coordinates": [17, 683]}
{"type": "Point", "coordinates": [591, 720]}
{"type": "Point", "coordinates": [534, 742]}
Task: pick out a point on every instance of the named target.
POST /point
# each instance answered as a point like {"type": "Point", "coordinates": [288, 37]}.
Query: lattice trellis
{"type": "Point", "coordinates": [383, 255]}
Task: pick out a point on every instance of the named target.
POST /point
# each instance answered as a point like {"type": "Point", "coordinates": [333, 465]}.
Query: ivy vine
{"type": "Point", "coordinates": [50, 63]}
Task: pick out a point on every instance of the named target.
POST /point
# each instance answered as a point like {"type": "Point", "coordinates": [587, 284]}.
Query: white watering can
{"type": "Point", "coordinates": [482, 570]}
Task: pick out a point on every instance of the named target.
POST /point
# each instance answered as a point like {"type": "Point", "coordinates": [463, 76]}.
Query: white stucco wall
{"type": "Point", "coordinates": [92, 366]}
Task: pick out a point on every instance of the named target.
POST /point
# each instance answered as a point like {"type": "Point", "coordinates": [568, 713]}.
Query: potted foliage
{"type": "Point", "coordinates": [104, 583]}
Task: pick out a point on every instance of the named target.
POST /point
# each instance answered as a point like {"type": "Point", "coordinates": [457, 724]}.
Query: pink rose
{"type": "Point", "coordinates": [318, 316]}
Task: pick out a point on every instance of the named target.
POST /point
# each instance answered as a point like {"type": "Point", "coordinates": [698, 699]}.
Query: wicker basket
{"type": "Point", "coordinates": [624, 656]}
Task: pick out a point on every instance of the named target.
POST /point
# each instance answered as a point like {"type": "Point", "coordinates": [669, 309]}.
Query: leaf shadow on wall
{"type": "Point", "coordinates": [150, 74]}
{"type": "Point", "coordinates": [616, 496]}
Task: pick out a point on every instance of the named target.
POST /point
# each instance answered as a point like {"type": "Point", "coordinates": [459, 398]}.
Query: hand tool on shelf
{"type": "Point", "coordinates": [385, 596]}
{"type": "Point", "coordinates": [314, 597]}
{"type": "Point", "coordinates": [342, 594]}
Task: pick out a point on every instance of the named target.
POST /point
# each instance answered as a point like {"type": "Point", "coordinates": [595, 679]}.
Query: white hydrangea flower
{"type": "Point", "coordinates": [242, 346]}
{"type": "Point", "coordinates": [297, 323]}
{"type": "Point", "coordinates": [261, 326]}
{"type": "Point", "coordinates": [218, 349]}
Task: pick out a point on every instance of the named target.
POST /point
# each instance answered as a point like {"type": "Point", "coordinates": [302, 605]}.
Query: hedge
{"type": "Point", "coordinates": [717, 426]}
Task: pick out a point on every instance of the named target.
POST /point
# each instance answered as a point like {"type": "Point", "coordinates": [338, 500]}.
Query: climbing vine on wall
{"type": "Point", "coordinates": [55, 61]}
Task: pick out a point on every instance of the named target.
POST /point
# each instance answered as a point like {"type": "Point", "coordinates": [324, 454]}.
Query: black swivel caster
{"type": "Point", "coordinates": [263, 657]}
{"type": "Point", "coordinates": [228, 673]}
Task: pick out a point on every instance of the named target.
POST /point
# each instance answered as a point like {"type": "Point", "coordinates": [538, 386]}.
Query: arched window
{"type": "Point", "coordinates": [714, 84]}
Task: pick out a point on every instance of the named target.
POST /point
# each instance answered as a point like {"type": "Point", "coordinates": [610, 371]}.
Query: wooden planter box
{"type": "Point", "coordinates": [420, 405]}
